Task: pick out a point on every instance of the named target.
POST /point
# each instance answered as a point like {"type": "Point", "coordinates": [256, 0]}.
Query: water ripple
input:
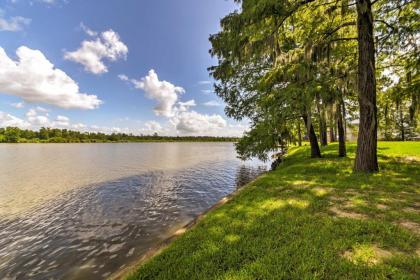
{"type": "Point", "coordinates": [91, 232]}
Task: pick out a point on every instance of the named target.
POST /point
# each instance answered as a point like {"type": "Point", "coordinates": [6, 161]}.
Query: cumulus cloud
{"type": "Point", "coordinates": [38, 120]}
{"type": "Point", "coordinates": [9, 120]}
{"type": "Point", "coordinates": [185, 106]}
{"type": "Point", "coordinates": [212, 103]}
{"type": "Point", "coordinates": [178, 113]}
{"type": "Point", "coordinates": [39, 117]}
{"type": "Point", "coordinates": [78, 126]}
{"type": "Point", "coordinates": [35, 79]}
{"type": "Point", "coordinates": [13, 24]}
{"type": "Point", "coordinates": [62, 121]}
{"type": "Point", "coordinates": [153, 126]}
{"type": "Point", "coordinates": [163, 92]}
{"type": "Point", "coordinates": [193, 122]}
{"type": "Point", "coordinates": [92, 54]}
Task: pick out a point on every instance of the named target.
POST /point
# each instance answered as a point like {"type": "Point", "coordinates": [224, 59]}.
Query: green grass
{"type": "Point", "coordinates": [309, 219]}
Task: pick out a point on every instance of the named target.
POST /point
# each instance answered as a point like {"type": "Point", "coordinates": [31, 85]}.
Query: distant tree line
{"type": "Point", "coordinates": [55, 135]}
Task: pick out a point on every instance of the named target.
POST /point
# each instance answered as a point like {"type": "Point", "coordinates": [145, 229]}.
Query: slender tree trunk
{"type": "Point", "coordinates": [366, 154]}
{"type": "Point", "coordinates": [387, 122]}
{"type": "Point", "coordinates": [324, 129]}
{"type": "Point", "coordinates": [341, 133]}
{"type": "Point", "coordinates": [315, 151]}
{"type": "Point", "coordinates": [401, 120]}
{"type": "Point", "coordinates": [332, 123]}
{"type": "Point", "coordinates": [299, 135]}
{"type": "Point", "coordinates": [322, 123]}
{"type": "Point", "coordinates": [344, 118]}
{"type": "Point", "coordinates": [413, 110]}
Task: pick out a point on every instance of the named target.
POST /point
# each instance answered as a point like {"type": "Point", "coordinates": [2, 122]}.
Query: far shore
{"type": "Point", "coordinates": [122, 142]}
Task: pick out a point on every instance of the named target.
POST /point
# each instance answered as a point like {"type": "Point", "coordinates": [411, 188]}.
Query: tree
{"type": "Point", "coordinates": [12, 134]}
{"type": "Point", "coordinates": [44, 133]}
{"type": "Point", "coordinates": [366, 154]}
{"type": "Point", "coordinates": [274, 48]}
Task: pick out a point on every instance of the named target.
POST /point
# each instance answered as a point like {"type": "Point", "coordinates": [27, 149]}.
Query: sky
{"type": "Point", "coordinates": [134, 66]}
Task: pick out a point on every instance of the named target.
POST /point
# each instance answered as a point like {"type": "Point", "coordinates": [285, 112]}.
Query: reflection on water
{"type": "Point", "coordinates": [118, 201]}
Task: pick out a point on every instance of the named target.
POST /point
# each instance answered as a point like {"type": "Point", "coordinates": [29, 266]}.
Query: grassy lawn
{"type": "Point", "coordinates": [309, 219]}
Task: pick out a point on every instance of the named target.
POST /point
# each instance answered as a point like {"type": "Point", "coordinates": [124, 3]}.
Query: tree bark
{"type": "Point", "coordinates": [322, 122]}
{"type": "Point", "coordinates": [299, 135]}
{"type": "Point", "coordinates": [366, 154]}
{"type": "Point", "coordinates": [341, 133]}
{"type": "Point", "coordinates": [332, 123]}
{"type": "Point", "coordinates": [315, 151]}
{"type": "Point", "coordinates": [343, 112]}
{"type": "Point", "coordinates": [387, 134]}
{"type": "Point", "coordinates": [401, 119]}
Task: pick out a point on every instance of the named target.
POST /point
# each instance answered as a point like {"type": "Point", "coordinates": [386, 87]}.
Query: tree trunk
{"type": "Point", "coordinates": [299, 135]}
{"type": "Point", "coordinates": [322, 123]}
{"type": "Point", "coordinates": [315, 152]}
{"type": "Point", "coordinates": [332, 123]}
{"type": "Point", "coordinates": [343, 112]}
{"type": "Point", "coordinates": [387, 134]}
{"type": "Point", "coordinates": [401, 119]}
{"type": "Point", "coordinates": [341, 133]}
{"type": "Point", "coordinates": [366, 154]}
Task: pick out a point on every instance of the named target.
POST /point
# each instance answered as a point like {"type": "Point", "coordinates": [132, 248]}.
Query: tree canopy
{"type": "Point", "coordinates": [315, 63]}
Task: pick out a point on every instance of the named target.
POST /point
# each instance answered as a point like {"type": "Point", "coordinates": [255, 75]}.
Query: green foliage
{"type": "Point", "coordinates": [48, 135]}
{"type": "Point", "coordinates": [11, 134]}
{"type": "Point", "coordinates": [309, 219]}
{"type": "Point", "coordinates": [279, 60]}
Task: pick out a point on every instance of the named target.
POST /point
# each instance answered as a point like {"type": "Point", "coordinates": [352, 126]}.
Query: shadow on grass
{"type": "Point", "coordinates": [283, 226]}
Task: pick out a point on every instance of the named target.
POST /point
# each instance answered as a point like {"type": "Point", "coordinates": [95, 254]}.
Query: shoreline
{"type": "Point", "coordinates": [158, 248]}
{"type": "Point", "coordinates": [157, 141]}
{"type": "Point", "coordinates": [343, 224]}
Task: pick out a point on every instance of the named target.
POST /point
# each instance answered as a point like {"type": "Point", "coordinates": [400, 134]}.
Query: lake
{"type": "Point", "coordinates": [85, 211]}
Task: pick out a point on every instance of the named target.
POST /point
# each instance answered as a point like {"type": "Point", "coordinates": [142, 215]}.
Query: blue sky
{"type": "Point", "coordinates": [140, 66]}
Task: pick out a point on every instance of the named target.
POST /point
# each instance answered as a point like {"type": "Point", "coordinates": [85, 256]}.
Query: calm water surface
{"type": "Point", "coordinates": [85, 211]}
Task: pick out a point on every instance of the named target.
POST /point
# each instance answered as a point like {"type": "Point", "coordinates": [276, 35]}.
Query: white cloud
{"type": "Point", "coordinates": [204, 82]}
{"type": "Point", "coordinates": [38, 120]}
{"type": "Point", "coordinates": [9, 120]}
{"type": "Point", "coordinates": [34, 78]}
{"type": "Point", "coordinates": [62, 121]}
{"type": "Point", "coordinates": [206, 91]}
{"type": "Point", "coordinates": [91, 54]}
{"type": "Point", "coordinates": [165, 93]}
{"type": "Point", "coordinates": [237, 129]}
{"type": "Point", "coordinates": [153, 126]}
{"type": "Point", "coordinates": [41, 109]}
{"type": "Point", "coordinates": [13, 24]}
{"type": "Point", "coordinates": [193, 122]}
{"type": "Point", "coordinates": [18, 105]}
{"type": "Point", "coordinates": [47, 2]}
{"type": "Point", "coordinates": [212, 103]}
{"type": "Point", "coordinates": [123, 77]}
{"type": "Point", "coordinates": [181, 119]}
{"type": "Point", "coordinates": [87, 30]}
{"type": "Point", "coordinates": [185, 106]}
{"type": "Point", "coordinates": [78, 126]}
{"type": "Point", "coordinates": [39, 117]}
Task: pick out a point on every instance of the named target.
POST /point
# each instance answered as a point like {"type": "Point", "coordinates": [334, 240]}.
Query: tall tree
{"type": "Point", "coordinates": [366, 154]}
